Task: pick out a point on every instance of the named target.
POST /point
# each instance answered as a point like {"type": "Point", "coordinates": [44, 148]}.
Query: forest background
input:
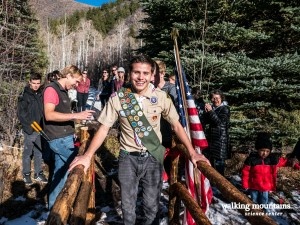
{"type": "Point", "coordinates": [248, 49]}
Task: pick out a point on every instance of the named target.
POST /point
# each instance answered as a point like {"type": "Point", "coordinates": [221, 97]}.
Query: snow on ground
{"type": "Point", "coordinates": [92, 102]}
{"type": "Point", "coordinates": [220, 212]}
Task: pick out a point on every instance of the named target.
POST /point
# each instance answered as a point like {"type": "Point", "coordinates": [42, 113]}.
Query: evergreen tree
{"type": "Point", "coordinates": [104, 18]}
{"type": "Point", "coordinates": [248, 49]}
{"type": "Point", "coordinates": [20, 46]}
{"type": "Point", "coordinates": [20, 54]}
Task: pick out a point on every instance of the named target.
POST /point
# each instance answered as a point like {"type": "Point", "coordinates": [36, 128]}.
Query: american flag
{"type": "Point", "coordinates": [202, 193]}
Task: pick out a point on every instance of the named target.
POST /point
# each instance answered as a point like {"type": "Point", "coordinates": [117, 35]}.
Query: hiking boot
{"type": "Point", "coordinates": [27, 179]}
{"type": "Point", "coordinates": [40, 177]}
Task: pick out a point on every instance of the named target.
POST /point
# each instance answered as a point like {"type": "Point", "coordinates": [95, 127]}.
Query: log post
{"type": "Point", "coordinates": [63, 205]}
{"type": "Point", "coordinates": [91, 206]}
{"type": "Point", "coordinates": [174, 202]}
{"type": "Point", "coordinates": [84, 134]}
{"type": "Point", "coordinates": [81, 204]}
{"type": "Point", "coordinates": [179, 190]}
{"type": "Point", "coordinates": [90, 179]}
{"type": "Point", "coordinates": [84, 207]}
{"type": "Point", "coordinates": [78, 216]}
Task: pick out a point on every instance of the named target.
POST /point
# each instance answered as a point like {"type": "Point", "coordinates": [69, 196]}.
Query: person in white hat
{"type": "Point", "coordinates": [121, 78]}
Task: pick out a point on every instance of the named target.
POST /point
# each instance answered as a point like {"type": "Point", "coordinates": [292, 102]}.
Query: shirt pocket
{"type": "Point", "coordinates": [153, 115]}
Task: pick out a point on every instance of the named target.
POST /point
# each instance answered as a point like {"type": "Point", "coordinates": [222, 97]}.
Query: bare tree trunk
{"type": "Point", "coordinates": [63, 40]}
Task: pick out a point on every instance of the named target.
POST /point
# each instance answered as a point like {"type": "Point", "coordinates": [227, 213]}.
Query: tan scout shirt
{"type": "Point", "coordinates": [153, 111]}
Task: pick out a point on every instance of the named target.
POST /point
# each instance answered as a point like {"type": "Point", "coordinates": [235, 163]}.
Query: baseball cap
{"type": "Point", "coordinates": [121, 69]}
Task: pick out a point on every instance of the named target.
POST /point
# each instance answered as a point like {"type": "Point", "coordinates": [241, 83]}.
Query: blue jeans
{"type": "Point", "coordinates": [259, 197]}
{"type": "Point", "coordinates": [32, 148]}
{"type": "Point", "coordinates": [64, 152]}
{"type": "Point", "coordinates": [146, 171]}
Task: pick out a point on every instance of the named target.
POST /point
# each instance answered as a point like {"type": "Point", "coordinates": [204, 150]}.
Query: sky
{"type": "Point", "coordinates": [94, 2]}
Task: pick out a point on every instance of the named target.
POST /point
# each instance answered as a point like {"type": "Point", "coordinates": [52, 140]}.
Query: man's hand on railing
{"type": "Point", "coordinates": [198, 157]}
{"type": "Point", "coordinates": [84, 160]}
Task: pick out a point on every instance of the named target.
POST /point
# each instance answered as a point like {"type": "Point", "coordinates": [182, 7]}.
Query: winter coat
{"type": "Point", "coordinates": [165, 126]}
{"type": "Point", "coordinates": [104, 87]}
{"type": "Point", "coordinates": [217, 133]}
{"type": "Point", "coordinates": [171, 90]}
{"type": "Point", "coordinates": [261, 174]}
{"type": "Point", "coordinates": [30, 108]}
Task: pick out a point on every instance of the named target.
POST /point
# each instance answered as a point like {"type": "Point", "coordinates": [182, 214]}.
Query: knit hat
{"type": "Point", "coordinates": [121, 69]}
{"type": "Point", "coordinates": [263, 141]}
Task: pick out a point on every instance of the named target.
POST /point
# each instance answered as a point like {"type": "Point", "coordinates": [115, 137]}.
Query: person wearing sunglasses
{"type": "Point", "coordinates": [104, 88]}
{"type": "Point", "coordinates": [83, 91]}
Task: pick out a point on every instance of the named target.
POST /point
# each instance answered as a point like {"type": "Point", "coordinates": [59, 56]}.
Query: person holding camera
{"type": "Point", "coordinates": [217, 116]}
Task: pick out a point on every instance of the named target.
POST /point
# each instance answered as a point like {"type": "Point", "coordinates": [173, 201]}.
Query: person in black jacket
{"type": "Point", "coordinates": [217, 116]}
{"type": "Point", "coordinates": [30, 109]}
{"type": "Point", "coordinates": [104, 88]}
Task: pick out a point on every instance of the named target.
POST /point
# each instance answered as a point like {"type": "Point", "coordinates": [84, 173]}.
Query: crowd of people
{"type": "Point", "coordinates": [144, 102]}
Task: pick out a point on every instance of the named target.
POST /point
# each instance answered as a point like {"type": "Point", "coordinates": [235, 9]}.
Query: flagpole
{"type": "Point", "coordinates": [174, 35]}
{"type": "Point", "coordinates": [195, 173]}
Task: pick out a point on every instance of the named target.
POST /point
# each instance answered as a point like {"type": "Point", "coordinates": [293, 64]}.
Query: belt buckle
{"type": "Point", "coordinates": [144, 154]}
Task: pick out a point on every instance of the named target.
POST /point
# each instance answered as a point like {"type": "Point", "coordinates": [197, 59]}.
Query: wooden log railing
{"type": "Point", "coordinates": [76, 202]}
{"type": "Point", "coordinates": [198, 215]}
{"type": "Point", "coordinates": [78, 186]}
{"type": "Point", "coordinates": [228, 190]}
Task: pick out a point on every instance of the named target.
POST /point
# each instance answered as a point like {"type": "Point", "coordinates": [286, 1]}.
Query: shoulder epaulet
{"type": "Point", "coordinates": [157, 89]}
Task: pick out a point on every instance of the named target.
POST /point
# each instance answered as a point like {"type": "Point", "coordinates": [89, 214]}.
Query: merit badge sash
{"type": "Point", "coordinates": [140, 124]}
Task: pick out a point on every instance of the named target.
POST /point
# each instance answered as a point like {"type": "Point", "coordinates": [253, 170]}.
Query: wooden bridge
{"type": "Point", "coordinates": [75, 204]}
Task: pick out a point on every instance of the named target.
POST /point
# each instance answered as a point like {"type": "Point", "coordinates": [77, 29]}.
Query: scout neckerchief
{"type": "Point", "coordinates": [140, 124]}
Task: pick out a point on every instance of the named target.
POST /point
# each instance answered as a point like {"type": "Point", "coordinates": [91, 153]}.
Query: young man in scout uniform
{"type": "Point", "coordinates": [139, 109]}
